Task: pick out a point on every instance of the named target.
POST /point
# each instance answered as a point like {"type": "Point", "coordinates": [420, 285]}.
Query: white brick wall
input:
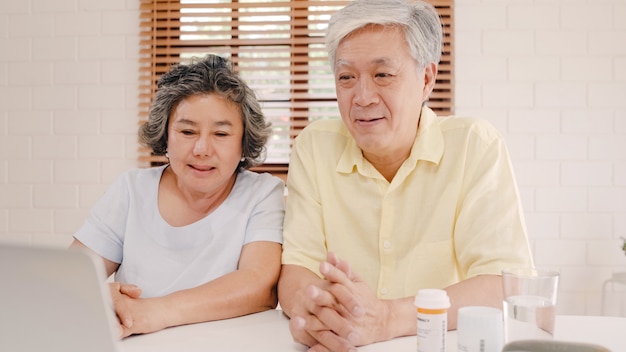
{"type": "Point", "coordinates": [549, 74]}
{"type": "Point", "coordinates": [68, 111]}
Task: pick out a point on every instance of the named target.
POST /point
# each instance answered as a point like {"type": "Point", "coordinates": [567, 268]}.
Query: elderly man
{"type": "Point", "coordinates": [392, 198]}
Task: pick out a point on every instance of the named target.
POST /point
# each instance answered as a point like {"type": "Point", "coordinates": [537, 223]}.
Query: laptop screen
{"type": "Point", "coordinates": [54, 299]}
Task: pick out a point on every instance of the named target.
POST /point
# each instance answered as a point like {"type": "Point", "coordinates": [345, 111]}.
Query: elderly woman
{"type": "Point", "coordinates": [199, 238]}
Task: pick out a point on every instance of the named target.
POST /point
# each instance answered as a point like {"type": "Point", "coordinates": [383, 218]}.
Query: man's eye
{"type": "Point", "coordinates": [344, 77]}
{"type": "Point", "coordinates": [221, 134]}
{"type": "Point", "coordinates": [187, 132]}
{"type": "Point", "coordinates": [383, 75]}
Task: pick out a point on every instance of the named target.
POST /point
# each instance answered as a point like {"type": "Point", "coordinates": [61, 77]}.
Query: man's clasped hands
{"type": "Point", "coordinates": [339, 311]}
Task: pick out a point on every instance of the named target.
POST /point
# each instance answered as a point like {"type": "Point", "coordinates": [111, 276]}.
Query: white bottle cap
{"type": "Point", "coordinates": [431, 298]}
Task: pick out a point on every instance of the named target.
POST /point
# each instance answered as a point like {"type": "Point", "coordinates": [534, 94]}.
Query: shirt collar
{"type": "Point", "coordinates": [428, 146]}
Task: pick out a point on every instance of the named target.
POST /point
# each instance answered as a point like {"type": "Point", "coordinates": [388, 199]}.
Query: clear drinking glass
{"type": "Point", "coordinates": [530, 297]}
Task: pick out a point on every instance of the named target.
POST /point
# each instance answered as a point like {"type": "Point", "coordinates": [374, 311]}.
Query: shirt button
{"type": "Point", "coordinates": [383, 291]}
{"type": "Point", "coordinates": [387, 244]}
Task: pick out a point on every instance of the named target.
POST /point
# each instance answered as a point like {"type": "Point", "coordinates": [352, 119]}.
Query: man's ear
{"type": "Point", "coordinates": [430, 75]}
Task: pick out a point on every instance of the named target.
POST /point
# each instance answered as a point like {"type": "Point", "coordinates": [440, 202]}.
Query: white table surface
{"type": "Point", "coordinates": [269, 331]}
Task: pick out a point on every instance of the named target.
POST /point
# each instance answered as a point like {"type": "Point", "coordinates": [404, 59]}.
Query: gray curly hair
{"type": "Point", "coordinates": [210, 75]}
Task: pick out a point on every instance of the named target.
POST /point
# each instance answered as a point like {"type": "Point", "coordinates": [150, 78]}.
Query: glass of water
{"type": "Point", "coordinates": [529, 303]}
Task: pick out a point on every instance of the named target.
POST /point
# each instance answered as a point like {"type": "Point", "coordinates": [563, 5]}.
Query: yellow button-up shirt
{"type": "Point", "coordinates": [451, 212]}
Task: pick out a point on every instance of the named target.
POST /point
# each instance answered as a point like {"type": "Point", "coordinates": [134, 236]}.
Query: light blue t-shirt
{"type": "Point", "coordinates": [125, 227]}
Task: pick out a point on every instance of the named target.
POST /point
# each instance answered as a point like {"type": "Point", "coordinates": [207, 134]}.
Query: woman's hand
{"type": "Point", "coordinates": [120, 296]}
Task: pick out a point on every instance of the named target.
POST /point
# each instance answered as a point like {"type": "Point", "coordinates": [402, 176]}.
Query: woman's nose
{"type": "Point", "coordinates": [203, 146]}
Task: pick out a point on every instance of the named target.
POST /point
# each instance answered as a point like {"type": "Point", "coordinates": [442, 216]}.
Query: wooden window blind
{"type": "Point", "coordinates": [277, 46]}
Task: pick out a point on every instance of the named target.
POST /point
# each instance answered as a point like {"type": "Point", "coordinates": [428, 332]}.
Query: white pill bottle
{"type": "Point", "coordinates": [432, 319]}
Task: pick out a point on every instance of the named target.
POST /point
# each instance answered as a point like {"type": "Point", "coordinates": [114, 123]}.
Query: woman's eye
{"type": "Point", "coordinates": [221, 134]}
{"type": "Point", "coordinates": [187, 132]}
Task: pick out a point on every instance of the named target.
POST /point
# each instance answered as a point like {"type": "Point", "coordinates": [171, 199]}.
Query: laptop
{"type": "Point", "coordinates": [54, 299]}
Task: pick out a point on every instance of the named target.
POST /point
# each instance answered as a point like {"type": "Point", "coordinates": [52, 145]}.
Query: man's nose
{"type": "Point", "coordinates": [366, 92]}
